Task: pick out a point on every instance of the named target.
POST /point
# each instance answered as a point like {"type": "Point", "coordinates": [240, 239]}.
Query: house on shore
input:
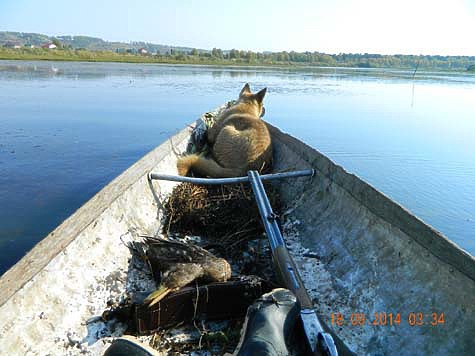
{"type": "Point", "coordinates": [11, 44]}
{"type": "Point", "coordinates": [49, 46]}
{"type": "Point", "coordinates": [143, 51]}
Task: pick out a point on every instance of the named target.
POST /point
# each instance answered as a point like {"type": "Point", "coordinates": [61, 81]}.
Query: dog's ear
{"type": "Point", "coordinates": [260, 95]}
{"type": "Point", "coordinates": [245, 90]}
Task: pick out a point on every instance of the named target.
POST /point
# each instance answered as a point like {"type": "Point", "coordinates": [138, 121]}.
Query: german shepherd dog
{"type": "Point", "coordinates": [239, 141]}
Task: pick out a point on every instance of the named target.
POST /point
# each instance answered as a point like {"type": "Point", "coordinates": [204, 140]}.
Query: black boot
{"type": "Point", "coordinates": [269, 324]}
{"type": "Point", "coordinates": [129, 346]}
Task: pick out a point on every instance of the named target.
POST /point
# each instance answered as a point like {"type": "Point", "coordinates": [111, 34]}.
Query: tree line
{"type": "Point", "coordinates": [240, 57]}
{"type": "Point", "coordinates": [361, 60]}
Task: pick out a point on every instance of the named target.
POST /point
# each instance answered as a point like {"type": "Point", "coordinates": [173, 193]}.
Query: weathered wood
{"type": "Point", "coordinates": [370, 256]}
{"type": "Point", "coordinates": [382, 206]}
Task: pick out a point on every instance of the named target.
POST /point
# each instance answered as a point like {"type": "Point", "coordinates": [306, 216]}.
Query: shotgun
{"type": "Point", "coordinates": [319, 341]}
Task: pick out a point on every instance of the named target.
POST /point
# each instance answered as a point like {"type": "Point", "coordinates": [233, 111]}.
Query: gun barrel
{"type": "Point", "coordinates": [288, 272]}
{"type": "Point", "coordinates": [320, 342]}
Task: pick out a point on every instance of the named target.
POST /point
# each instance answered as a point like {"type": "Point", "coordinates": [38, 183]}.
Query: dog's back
{"type": "Point", "coordinates": [240, 141]}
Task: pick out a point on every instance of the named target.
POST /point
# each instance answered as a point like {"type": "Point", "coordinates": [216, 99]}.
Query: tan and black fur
{"type": "Point", "coordinates": [239, 139]}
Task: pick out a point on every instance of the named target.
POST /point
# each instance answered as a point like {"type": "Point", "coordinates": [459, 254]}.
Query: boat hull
{"type": "Point", "coordinates": [360, 254]}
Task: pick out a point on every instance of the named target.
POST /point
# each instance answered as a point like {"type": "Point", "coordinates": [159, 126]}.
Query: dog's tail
{"type": "Point", "coordinates": [206, 167]}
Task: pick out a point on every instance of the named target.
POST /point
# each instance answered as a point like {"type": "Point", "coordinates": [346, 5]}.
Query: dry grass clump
{"type": "Point", "coordinates": [225, 215]}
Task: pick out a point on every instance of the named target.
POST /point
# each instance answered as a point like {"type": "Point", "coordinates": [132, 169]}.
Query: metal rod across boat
{"type": "Point", "coordinates": [212, 181]}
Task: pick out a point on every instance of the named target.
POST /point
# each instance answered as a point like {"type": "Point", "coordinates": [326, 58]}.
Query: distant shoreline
{"type": "Point", "coordinates": [111, 57]}
{"type": "Point", "coordinates": [37, 46]}
{"type": "Point", "coordinates": [68, 55]}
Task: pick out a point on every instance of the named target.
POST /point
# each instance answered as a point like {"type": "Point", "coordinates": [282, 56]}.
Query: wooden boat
{"type": "Point", "coordinates": [386, 282]}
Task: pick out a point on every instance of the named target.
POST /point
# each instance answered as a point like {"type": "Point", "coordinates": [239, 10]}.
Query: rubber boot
{"type": "Point", "coordinates": [269, 324]}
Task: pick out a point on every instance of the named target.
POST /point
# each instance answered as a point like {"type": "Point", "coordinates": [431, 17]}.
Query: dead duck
{"type": "Point", "coordinates": [179, 264]}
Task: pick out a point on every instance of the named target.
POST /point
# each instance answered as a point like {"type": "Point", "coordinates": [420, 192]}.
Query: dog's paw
{"type": "Point", "coordinates": [184, 164]}
{"type": "Point", "coordinates": [182, 167]}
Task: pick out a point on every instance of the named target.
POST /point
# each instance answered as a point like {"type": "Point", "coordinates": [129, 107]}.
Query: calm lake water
{"type": "Point", "coordinates": [67, 129]}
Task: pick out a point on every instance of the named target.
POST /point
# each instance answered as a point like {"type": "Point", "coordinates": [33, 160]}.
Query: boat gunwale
{"type": "Point", "coordinates": [381, 205]}
{"type": "Point", "coordinates": [17, 276]}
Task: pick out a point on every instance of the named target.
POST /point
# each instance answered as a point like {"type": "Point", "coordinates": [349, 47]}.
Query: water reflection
{"type": "Point", "coordinates": [28, 70]}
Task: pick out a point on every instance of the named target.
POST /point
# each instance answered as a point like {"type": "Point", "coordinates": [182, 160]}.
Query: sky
{"type": "Point", "coordinates": [445, 27]}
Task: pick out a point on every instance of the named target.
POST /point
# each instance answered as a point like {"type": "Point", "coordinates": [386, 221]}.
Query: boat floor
{"type": "Point", "coordinates": [358, 252]}
{"type": "Point", "coordinates": [137, 279]}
